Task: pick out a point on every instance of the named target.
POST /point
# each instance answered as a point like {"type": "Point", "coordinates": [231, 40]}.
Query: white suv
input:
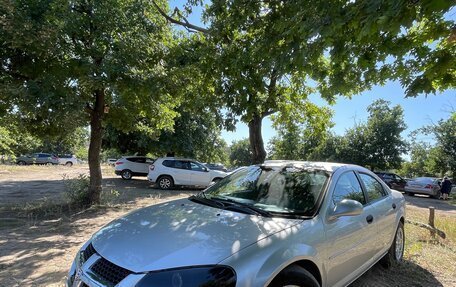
{"type": "Point", "coordinates": [129, 166]}
{"type": "Point", "coordinates": [169, 171]}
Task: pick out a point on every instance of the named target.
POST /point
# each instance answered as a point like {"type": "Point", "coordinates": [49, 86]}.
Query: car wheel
{"type": "Point", "coordinates": [437, 195]}
{"type": "Point", "coordinates": [396, 251]}
{"type": "Point", "coordinates": [49, 163]}
{"type": "Point", "coordinates": [69, 164]}
{"type": "Point", "coordinates": [165, 182]}
{"type": "Point", "coordinates": [294, 276]}
{"type": "Point", "coordinates": [21, 162]}
{"type": "Point", "coordinates": [126, 174]}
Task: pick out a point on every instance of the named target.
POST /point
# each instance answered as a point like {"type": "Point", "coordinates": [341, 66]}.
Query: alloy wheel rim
{"type": "Point", "coordinates": [165, 183]}
{"type": "Point", "coordinates": [399, 244]}
{"type": "Point", "coordinates": [127, 174]}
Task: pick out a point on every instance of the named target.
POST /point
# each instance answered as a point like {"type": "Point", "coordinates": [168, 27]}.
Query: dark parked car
{"type": "Point", "coordinates": [37, 158]}
{"type": "Point", "coordinates": [393, 180]}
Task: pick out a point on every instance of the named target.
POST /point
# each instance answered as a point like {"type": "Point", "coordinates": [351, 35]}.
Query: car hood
{"type": "Point", "coordinates": [181, 233]}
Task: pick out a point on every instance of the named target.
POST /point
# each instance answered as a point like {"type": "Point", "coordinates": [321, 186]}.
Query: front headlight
{"type": "Point", "coordinates": [215, 276]}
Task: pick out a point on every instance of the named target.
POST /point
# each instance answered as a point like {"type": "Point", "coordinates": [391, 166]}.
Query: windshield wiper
{"type": "Point", "coordinates": [243, 206]}
{"type": "Point", "coordinates": [202, 198]}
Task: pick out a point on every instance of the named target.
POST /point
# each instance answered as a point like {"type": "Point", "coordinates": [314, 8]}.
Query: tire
{"type": "Point", "coordinates": [49, 163]}
{"type": "Point", "coordinates": [396, 251]}
{"type": "Point", "coordinates": [437, 195]}
{"type": "Point", "coordinates": [294, 275]}
{"type": "Point", "coordinates": [165, 182]}
{"type": "Point", "coordinates": [21, 162]}
{"type": "Point", "coordinates": [69, 164]}
{"type": "Point", "coordinates": [126, 174]}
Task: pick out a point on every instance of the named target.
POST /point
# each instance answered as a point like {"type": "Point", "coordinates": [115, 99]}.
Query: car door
{"type": "Point", "coordinates": [199, 174]}
{"type": "Point", "coordinates": [384, 214]}
{"type": "Point", "coordinates": [181, 172]}
{"type": "Point", "coordinates": [139, 165]}
{"type": "Point", "coordinates": [42, 158]}
{"type": "Point", "coordinates": [349, 238]}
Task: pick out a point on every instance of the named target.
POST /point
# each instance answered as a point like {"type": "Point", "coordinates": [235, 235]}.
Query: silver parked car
{"type": "Point", "coordinates": [38, 158]}
{"type": "Point", "coordinates": [278, 224]}
{"type": "Point", "coordinates": [423, 185]}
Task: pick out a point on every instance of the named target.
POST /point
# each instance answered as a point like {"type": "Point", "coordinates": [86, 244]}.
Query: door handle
{"type": "Point", "coordinates": [394, 205]}
{"type": "Point", "coordinates": [369, 219]}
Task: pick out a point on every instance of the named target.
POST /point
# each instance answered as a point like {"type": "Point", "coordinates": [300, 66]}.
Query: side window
{"type": "Point", "coordinates": [373, 187]}
{"type": "Point", "coordinates": [43, 155]}
{"type": "Point", "coordinates": [181, 164]}
{"type": "Point", "coordinates": [196, 167]}
{"type": "Point", "coordinates": [141, 160]}
{"type": "Point", "coordinates": [348, 187]}
{"type": "Point", "coordinates": [168, 163]}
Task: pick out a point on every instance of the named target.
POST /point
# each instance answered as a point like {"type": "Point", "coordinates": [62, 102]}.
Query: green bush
{"type": "Point", "coordinates": [77, 189]}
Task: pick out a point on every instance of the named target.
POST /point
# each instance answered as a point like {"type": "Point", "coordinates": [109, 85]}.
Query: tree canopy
{"type": "Point", "coordinates": [270, 55]}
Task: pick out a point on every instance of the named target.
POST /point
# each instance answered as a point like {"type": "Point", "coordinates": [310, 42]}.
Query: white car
{"type": "Point", "coordinates": [129, 166]}
{"type": "Point", "coordinates": [169, 171]}
{"type": "Point", "coordinates": [68, 159]}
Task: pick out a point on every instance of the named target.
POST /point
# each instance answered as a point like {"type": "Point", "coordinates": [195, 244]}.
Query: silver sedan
{"type": "Point", "coordinates": [278, 224]}
{"type": "Point", "coordinates": [423, 185]}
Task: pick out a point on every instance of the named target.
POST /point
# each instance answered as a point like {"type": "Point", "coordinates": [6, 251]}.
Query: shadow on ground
{"type": "Point", "coordinates": [406, 274]}
{"type": "Point", "coordinates": [424, 201]}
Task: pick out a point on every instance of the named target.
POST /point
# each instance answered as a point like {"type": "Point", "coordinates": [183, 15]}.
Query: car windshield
{"type": "Point", "coordinates": [278, 191]}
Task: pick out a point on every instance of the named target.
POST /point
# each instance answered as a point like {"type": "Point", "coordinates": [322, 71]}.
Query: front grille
{"type": "Point", "coordinates": [109, 272]}
{"type": "Point", "coordinates": [89, 251]}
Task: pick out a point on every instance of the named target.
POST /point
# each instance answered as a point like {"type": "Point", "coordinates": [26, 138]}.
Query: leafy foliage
{"type": "Point", "coordinates": [240, 153]}
{"type": "Point", "coordinates": [298, 140]}
{"type": "Point", "coordinates": [377, 143]}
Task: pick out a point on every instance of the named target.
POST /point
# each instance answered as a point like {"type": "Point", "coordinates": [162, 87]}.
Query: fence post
{"type": "Point", "coordinates": [431, 220]}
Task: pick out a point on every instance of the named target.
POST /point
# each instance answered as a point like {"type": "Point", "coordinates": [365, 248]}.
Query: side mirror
{"type": "Point", "coordinates": [346, 207]}
{"type": "Point", "coordinates": [206, 169]}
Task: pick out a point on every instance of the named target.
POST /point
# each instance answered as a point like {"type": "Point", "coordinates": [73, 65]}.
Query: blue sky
{"type": "Point", "coordinates": [419, 111]}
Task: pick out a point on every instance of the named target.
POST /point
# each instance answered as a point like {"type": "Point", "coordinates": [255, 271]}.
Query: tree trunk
{"type": "Point", "coordinates": [96, 135]}
{"type": "Point", "coordinates": [256, 140]}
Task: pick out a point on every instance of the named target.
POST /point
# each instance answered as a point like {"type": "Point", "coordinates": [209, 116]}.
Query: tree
{"type": "Point", "coordinates": [69, 64]}
{"type": "Point", "coordinates": [445, 134]}
{"type": "Point", "coordinates": [270, 55]}
{"type": "Point", "coordinates": [377, 143]}
{"type": "Point", "coordinates": [298, 141]}
{"type": "Point", "coordinates": [240, 153]}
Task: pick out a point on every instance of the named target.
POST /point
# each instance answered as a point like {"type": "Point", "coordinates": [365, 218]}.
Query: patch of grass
{"type": "Point", "coordinates": [432, 253]}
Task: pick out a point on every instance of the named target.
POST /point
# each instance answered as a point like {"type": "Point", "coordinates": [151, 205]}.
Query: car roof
{"type": "Point", "coordinates": [177, 158]}
{"type": "Point", "coordinates": [327, 166]}
{"type": "Point", "coordinates": [130, 156]}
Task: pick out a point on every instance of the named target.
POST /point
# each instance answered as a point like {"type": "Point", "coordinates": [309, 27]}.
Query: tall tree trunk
{"type": "Point", "coordinates": [256, 140]}
{"type": "Point", "coordinates": [96, 135]}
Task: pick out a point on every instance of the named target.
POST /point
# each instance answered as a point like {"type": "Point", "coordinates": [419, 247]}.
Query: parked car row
{"type": "Point", "coordinates": [168, 172]}
{"type": "Point", "coordinates": [281, 223]}
{"type": "Point", "coordinates": [421, 185]}
{"type": "Point", "coordinates": [47, 158]}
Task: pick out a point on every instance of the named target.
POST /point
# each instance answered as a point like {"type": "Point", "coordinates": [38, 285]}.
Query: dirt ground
{"type": "Point", "coordinates": [37, 249]}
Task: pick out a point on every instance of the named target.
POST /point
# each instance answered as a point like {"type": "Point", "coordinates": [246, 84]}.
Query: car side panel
{"type": "Point", "coordinates": [385, 215]}
{"type": "Point", "coordinates": [258, 264]}
{"type": "Point", "coordinates": [351, 246]}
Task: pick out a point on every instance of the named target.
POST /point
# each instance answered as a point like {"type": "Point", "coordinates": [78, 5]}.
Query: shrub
{"type": "Point", "coordinates": [77, 189]}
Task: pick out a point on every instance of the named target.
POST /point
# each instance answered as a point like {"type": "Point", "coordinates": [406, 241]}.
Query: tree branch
{"type": "Point", "coordinates": [187, 25]}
